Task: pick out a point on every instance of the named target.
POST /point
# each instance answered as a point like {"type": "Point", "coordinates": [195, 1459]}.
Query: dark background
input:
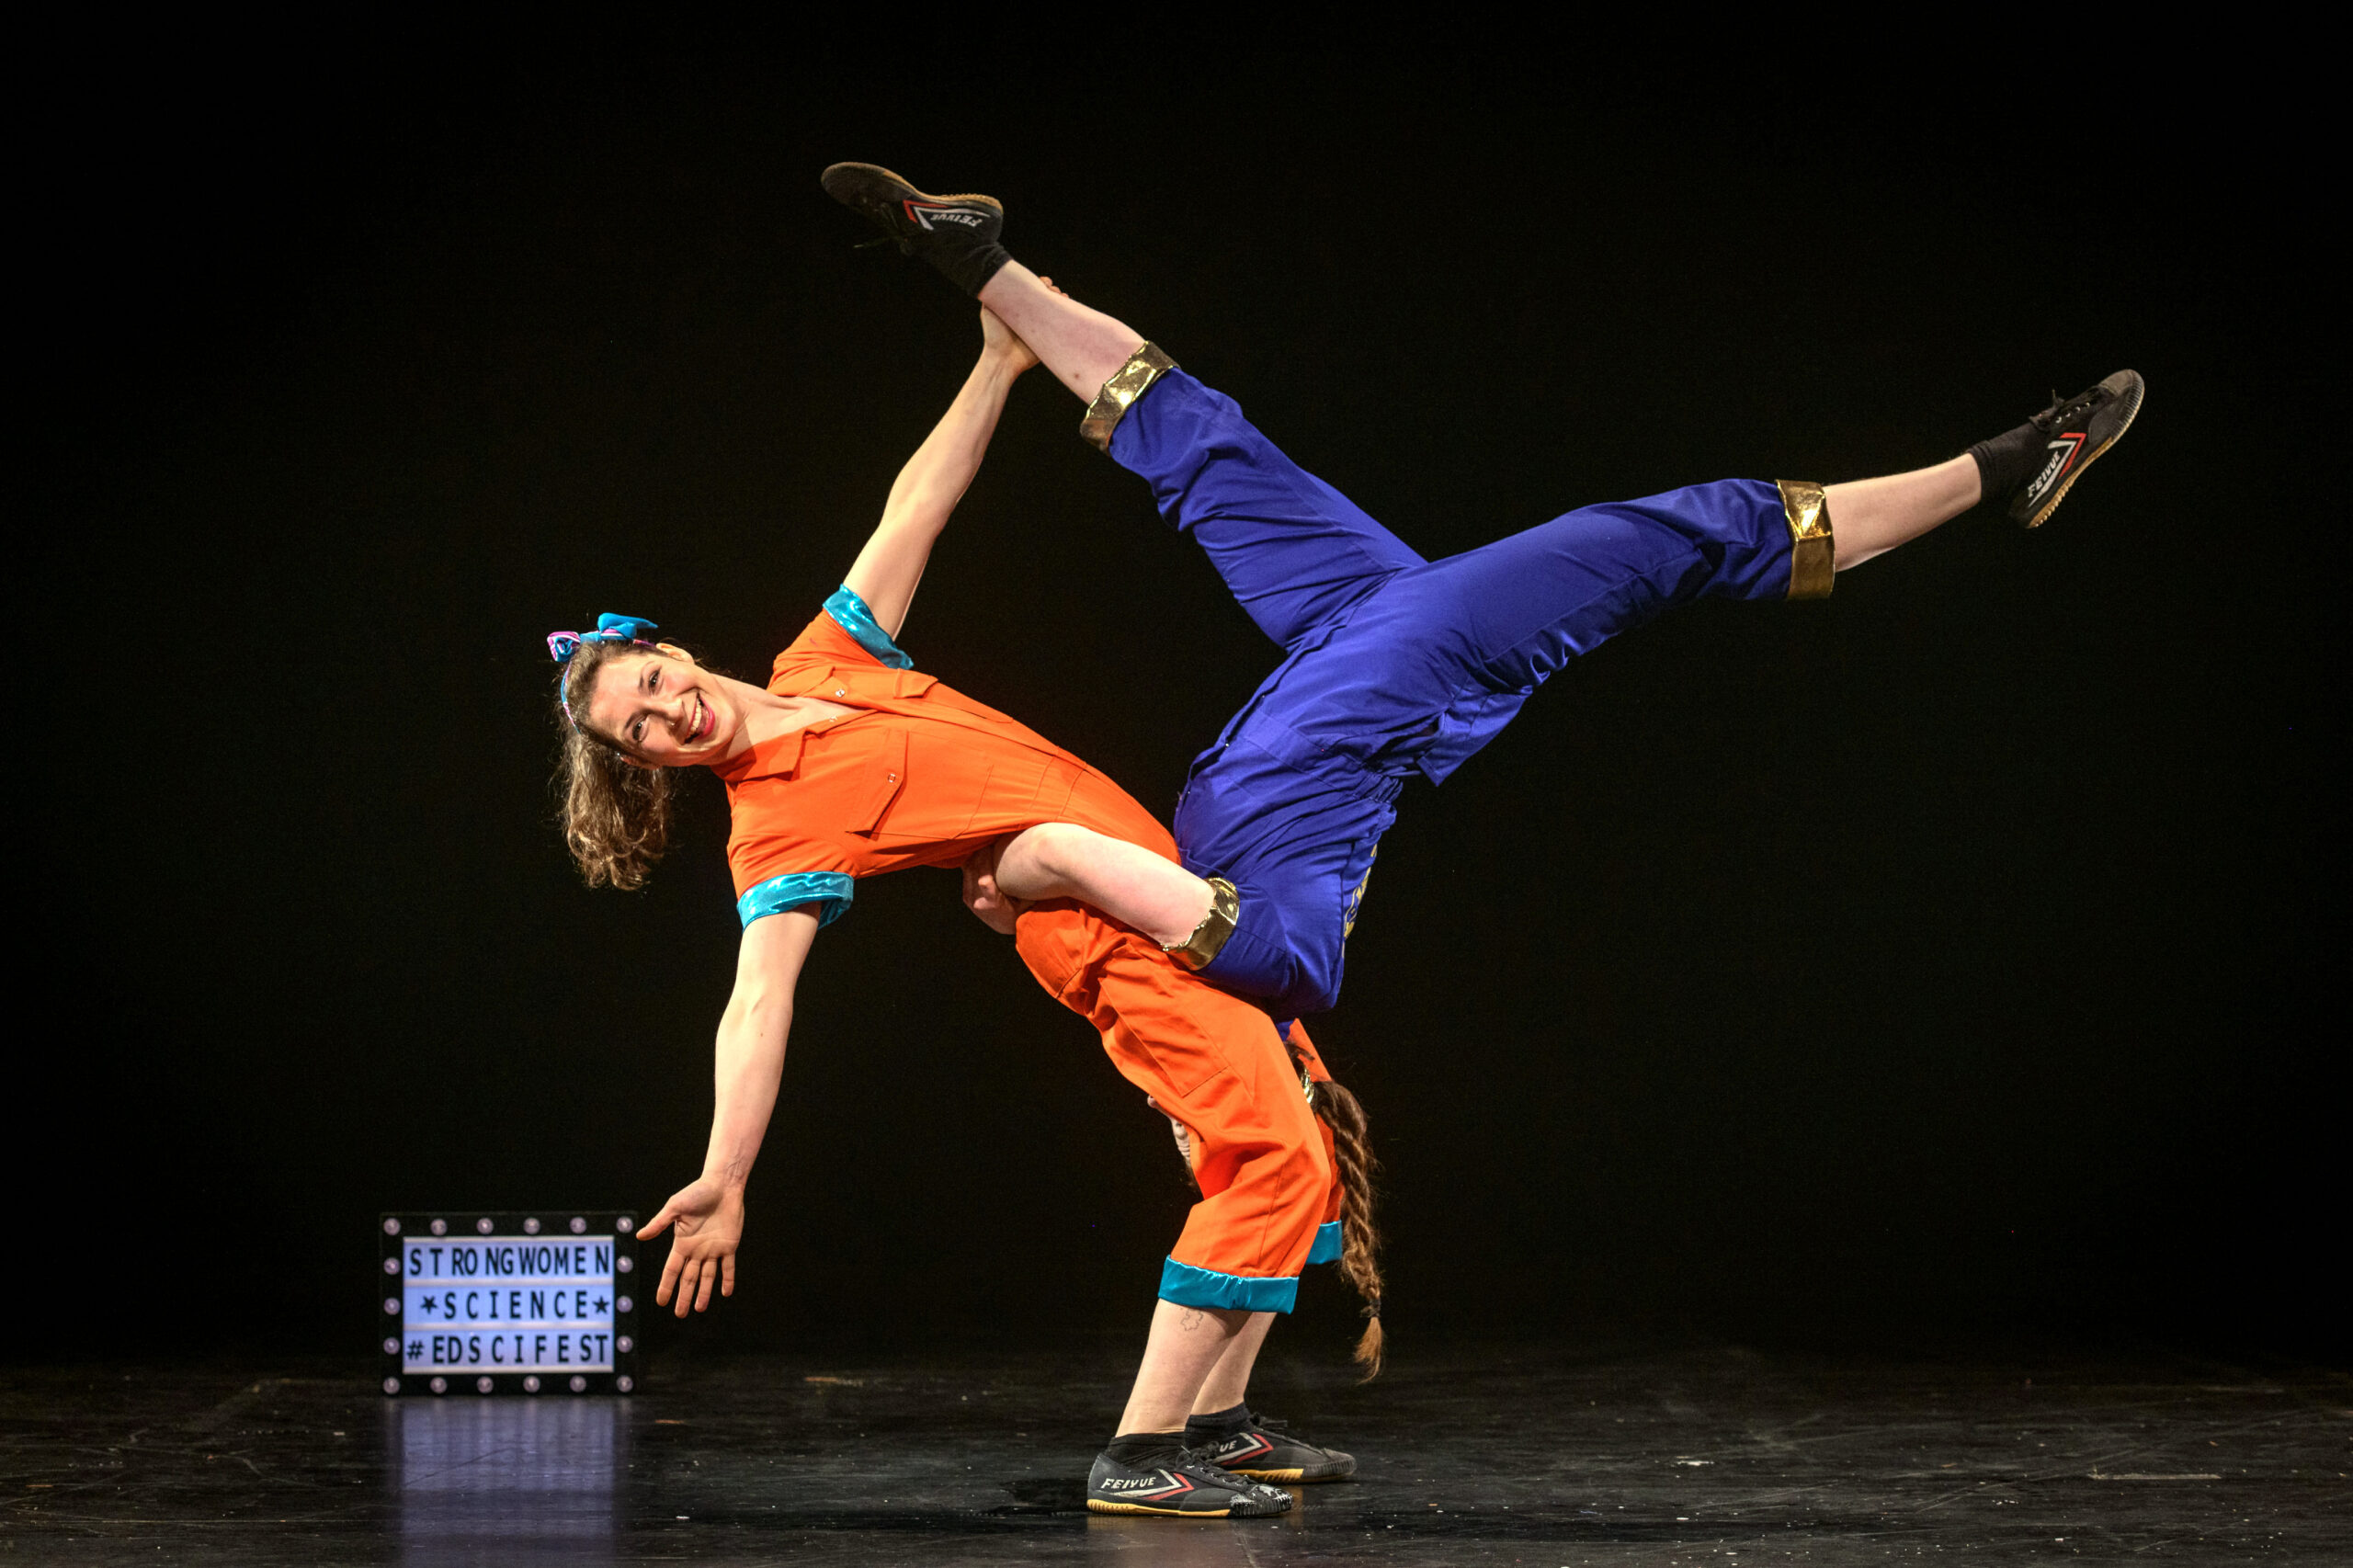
{"type": "Point", "coordinates": [1947, 958]}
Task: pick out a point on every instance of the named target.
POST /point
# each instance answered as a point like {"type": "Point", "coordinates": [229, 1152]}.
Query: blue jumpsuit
{"type": "Point", "coordinates": [1393, 664]}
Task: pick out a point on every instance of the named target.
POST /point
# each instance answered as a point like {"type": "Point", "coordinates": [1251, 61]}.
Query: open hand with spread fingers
{"type": "Point", "coordinates": [710, 1221]}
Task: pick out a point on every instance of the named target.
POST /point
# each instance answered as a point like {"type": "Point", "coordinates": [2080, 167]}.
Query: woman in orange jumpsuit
{"type": "Point", "coordinates": [849, 763]}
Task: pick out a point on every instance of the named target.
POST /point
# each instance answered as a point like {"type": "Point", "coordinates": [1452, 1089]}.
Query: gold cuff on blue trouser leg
{"type": "Point", "coordinates": [1128, 382]}
{"type": "Point", "coordinates": [1813, 559]}
{"type": "Point", "coordinates": [1209, 937]}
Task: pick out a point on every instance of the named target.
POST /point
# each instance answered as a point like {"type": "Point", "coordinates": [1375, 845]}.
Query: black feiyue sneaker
{"type": "Point", "coordinates": [1263, 1450]}
{"type": "Point", "coordinates": [2034, 466]}
{"type": "Point", "coordinates": [1180, 1482]}
{"type": "Point", "coordinates": [958, 234]}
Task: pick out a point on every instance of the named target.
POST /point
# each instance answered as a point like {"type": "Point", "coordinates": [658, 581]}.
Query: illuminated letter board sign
{"type": "Point", "coordinates": [537, 1303]}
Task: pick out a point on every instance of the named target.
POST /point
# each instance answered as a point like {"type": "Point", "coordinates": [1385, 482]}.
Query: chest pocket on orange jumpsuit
{"type": "Point", "coordinates": [883, 748]}
{"type": "Point", "coordinates": [886, 768]}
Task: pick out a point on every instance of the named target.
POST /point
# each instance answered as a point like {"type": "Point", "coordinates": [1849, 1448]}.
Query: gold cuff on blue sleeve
{"type": "Point", "coordinates": [1209, 937]}
{"type": "Point", "coordinates": [1813, 559]}
{"type": "Point", "coordinates": [1128, 382]}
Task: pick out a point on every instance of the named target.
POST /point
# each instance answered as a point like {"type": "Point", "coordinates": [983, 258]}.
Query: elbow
{"type": "Point", "coordinates": [760, 1010]}
{"type": "Point", "coordinates": [918, 522]}
{"type": "Point", "coordinates": [923, 508]}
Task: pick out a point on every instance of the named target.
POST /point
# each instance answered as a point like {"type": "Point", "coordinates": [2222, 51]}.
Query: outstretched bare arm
{"type": "Point", "coordinates": [936, 478]}
{"type": "Point", "coordinates": [709, 1211]}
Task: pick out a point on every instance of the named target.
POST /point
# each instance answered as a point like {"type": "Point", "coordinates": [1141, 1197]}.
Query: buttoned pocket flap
{"type": "Point", "coordinates": [890, 766]}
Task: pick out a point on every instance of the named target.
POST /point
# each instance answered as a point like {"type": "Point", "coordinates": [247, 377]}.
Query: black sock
{"type": "Point", "coordinates": [970, 267]}
{"type": "Point", "coordinates": [1141, 1450]}
{"type": "Point", "coordinates": [2008, 461]}
{"type": "Point", "coordinates": [1219, 1423]}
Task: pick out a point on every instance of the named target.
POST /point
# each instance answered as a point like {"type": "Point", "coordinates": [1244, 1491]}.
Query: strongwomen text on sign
{"type": "Point", "coordinates": [508, 1304]}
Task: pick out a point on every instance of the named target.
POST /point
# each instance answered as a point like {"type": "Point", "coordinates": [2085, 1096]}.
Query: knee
{"type": "Point", "coordinates": [1036, 862]}
{"type": "Point", "coordinates": [1267, 1129]}
{"type": "Point", "coordinates": [1287, 958]}
{"type": "Point", "coordinates": [1292, 1119]}
{"type": "Point", "coordinates": [1056, 846]}
{"type": "Point", "coordinates": [1291, 1159]}
{"type": "Point", "coordinates": [1316, 980]}
{"type": "Point", "coordinates": [1315, 1177]}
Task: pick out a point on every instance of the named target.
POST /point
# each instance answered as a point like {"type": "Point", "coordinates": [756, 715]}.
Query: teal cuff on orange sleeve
{"type": "Point", "coordinates": [830, 891]}
{"type": "Point", "coordinates": [849, 613]}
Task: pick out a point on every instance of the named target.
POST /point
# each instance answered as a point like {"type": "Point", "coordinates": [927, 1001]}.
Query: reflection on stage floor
{"type": "Point", "coordinates": [1526, 1454]}
{"type": "Point", "coordinates": [519, 1482]}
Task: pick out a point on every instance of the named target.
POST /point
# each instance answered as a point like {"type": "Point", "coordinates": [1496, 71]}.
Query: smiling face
{"type": "Point", "coordinates": [668, 711]}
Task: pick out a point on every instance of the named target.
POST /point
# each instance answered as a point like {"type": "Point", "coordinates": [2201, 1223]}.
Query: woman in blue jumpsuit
{"type": "Point", "coordinates": [1396, 666]}
{"type": "Point", "coordinates": [1393, 666]}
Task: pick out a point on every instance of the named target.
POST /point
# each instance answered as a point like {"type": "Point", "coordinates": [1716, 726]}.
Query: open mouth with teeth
{"type": "Point", "coordinates": [704, 722]}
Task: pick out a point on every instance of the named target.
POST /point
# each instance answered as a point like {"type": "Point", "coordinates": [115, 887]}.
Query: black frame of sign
{"type": "Point", "coordinates": [396, 1230]}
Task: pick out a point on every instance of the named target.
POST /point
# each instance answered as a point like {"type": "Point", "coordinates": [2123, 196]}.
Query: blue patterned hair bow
{"type": "Point", "coordinates": [562, 645]}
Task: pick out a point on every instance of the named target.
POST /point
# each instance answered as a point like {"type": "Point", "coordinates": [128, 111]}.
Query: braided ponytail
{"type": "Point", "coordinates": [1360, 1237]}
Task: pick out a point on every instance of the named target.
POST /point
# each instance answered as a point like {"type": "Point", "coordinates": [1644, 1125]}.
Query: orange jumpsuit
{"type": "Point", "coordinates": [922, 774]}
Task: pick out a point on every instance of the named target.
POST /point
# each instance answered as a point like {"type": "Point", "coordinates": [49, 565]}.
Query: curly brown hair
{"type": "Point", "coordinates": [616, 810]}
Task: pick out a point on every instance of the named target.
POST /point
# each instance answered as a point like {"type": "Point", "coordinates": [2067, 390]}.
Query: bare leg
{"type": "Point", "coordinates": [1229, 1381]}
{"type": "Point", "coordinates": [1872, 517]}
{"type": "Point", "coordinates": [1185, 1345]}
{"type": "Point", "coordinates": [1125, 881]}
{"type": "Point", "coordinates": [1082, 347]}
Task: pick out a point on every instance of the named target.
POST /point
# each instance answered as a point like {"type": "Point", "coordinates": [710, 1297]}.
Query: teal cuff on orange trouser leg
{"type": "Point", "coordinates": [1191, 1287]}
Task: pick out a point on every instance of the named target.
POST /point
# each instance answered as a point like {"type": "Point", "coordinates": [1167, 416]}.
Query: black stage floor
{"type": "Point", "coordinates": [1503, 1455]}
